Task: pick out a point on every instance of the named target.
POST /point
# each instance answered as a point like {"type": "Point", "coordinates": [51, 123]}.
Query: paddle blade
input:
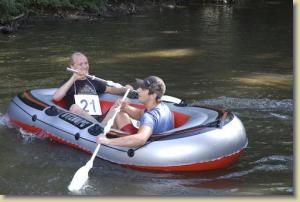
{"type": "Point", "coordinates": [80, 177]}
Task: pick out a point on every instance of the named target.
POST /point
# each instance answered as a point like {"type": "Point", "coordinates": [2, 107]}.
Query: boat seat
{"type": "Point", "coordinates": [61, 103]}
{"type": "Point", "coordinates": [179, 118]}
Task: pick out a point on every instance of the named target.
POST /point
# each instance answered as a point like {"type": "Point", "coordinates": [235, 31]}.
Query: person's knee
{"type": "Point", "coordinates": [121, 116]}
{"type": "Point", "coordinates": [122, 119]}
{"type": "Point", "coordinates": [75, 109]}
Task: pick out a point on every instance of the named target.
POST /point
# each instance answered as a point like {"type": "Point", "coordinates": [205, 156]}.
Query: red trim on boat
{"type": "Point", "coordinates": [105, 106]}
{"type": "Point", "coordinates": [34, 100]}
{"type": "Point", "coordinates": [180, 119]}
{"type": "Point", "coordinates": [26, 127]}
{"type": "Point", "coordinates": [61, 103]}
{"type": "Point", "coordinates": [202, 166]}
{"type": "Point", "coordinates": [41, 133]}
{"type": "Point", "coordinates": [222, 162]}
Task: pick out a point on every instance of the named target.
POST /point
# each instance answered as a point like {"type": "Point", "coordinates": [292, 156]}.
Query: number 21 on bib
{"type": "Point", "coordinates": [89, 103]}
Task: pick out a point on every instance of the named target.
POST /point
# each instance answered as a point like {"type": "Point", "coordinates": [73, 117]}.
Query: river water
{"type": "Point", "coordinates": [238, 57]}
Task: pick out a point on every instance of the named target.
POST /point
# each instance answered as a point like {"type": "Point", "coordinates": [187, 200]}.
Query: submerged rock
{"type": "Point", "coordinates": [6, 29]}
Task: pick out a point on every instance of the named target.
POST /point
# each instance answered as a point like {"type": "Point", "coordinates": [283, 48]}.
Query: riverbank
{"type": "Point", "coordinates": [15, 14]}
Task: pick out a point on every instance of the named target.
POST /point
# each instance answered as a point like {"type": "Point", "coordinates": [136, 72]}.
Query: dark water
{"type": "Point", "coordinates": [239, 57]}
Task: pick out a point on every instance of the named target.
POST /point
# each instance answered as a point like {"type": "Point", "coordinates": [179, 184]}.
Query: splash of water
{"type": "Point", "coordinates": [274, 163]}
{"type": "Point", "coordinates": [278, 158]}
{"type": "Point", "coordinates": [5, 121]}
{"type": "Point", "coordinates": [26, 135]}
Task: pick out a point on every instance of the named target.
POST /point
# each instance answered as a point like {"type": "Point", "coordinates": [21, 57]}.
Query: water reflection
{"type": "Point", "coordinates": [284, 81]}
{"type": "Point", "coordinates": [235, 57]}
{"type": "Point", "coordinates": [170, 53]}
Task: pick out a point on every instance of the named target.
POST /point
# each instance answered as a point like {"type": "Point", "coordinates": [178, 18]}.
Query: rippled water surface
{"type": "Point", "coordinates": [235, 57]}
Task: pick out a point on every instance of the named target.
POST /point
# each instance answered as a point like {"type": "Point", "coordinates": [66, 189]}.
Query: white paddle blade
{"type": "Point", "coordinates": [80, 177]}
{"type": "Point", "coordinates": [168, 98]}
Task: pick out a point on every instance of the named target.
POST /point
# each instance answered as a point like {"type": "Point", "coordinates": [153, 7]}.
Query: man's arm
{"type": "Point", "coordinates": [133, 112]}
{"type": "Point", "coordinates": [117, 91]}
{"type": "Point", "coordinates": [136, 140]}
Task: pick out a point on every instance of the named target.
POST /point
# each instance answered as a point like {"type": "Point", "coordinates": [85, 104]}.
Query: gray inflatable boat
{"type": "Point", "coordinates": [203, 138]}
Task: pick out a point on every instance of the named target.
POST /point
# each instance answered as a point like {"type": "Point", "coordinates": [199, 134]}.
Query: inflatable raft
{"type": "Point", "coordinates": [203, 138]}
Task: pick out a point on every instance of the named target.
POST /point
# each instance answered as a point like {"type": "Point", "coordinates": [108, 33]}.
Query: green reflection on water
{"type": "Point", "coordinates": [203, 53]}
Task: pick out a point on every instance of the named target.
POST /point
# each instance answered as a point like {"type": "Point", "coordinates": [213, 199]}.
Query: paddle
{"type": "Point", "coordinates": [82, 174]}
{"type": "Point", "coordinates": [165, 98]}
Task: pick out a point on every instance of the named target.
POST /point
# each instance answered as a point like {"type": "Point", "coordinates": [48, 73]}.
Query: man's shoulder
{"type": "Point", "coordinates": [163, 106]}
{"type": "Point", "coordinates": [156, 111]}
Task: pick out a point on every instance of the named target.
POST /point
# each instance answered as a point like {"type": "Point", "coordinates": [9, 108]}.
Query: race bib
{"type": "Point", "coordinates": [89, 103]}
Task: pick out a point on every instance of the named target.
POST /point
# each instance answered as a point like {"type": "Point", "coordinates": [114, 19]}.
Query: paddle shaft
{"type": "Point", "coordinates": [166, 98]}
{"type": "Point", "coordinates": [109, 124]}
{"type": "Point", "coordinates": [81, 175]}
{"type": "Point", "coordinates": [93, 77]}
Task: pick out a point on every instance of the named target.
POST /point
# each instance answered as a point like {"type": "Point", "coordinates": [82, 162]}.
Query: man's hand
{"type": "Point", "coordinates": [101, 139]}
{"type": "Point", "coordinates": [123, 104]}
{"type": "Point", "coordinates": [128, 87]}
